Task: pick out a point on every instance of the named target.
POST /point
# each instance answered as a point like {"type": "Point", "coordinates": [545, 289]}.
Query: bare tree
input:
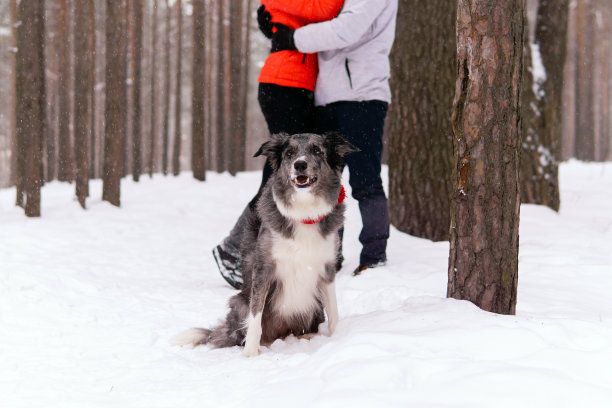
{"type": "Point", "coordinates": [137, 10]}
{"type": "Point", "coordinates": [483, 260]}
{"type": "Point", "coordinates": [166, 107]}
{"type": "Point", "coordinates": [220, 85]}
{"type": "Point", "coordinates": [64, 169]}
{"type": "Point", "coordinates": [236, 83]}
{"type": "Point", "coordinates": [421, 144]}
{"type": "Point", "coordinates": [82, 93]}
{"type": "Point", "coordinates": [153, 131]}
{"type": "Point", "coordinates": [30, 93]}
{"type": "Point", "coordinates": [116, 100]}
{"type": "Point", "coordinates": [198, 123]}
{"type": "Point", "coordinates": [13, 90]}
{"type": "Point", "coordinates": [176, 152]}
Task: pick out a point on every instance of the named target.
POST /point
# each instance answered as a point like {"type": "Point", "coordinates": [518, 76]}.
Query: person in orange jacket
{"type": "Point", "coordinates": [286, 97]}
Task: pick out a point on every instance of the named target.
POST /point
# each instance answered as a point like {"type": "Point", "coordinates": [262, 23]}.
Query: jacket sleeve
{"type": "Point", "coordinates": [347, 28]}
{"type": "Point", "coordinates": [312, 10]}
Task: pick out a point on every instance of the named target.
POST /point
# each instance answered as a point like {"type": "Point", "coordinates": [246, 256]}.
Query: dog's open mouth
{"type": "Point", "coordinates": [304, 181]}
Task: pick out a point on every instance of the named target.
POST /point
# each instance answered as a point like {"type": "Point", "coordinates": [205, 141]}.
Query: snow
{"type": "Point", "coordinates": [90, 299]}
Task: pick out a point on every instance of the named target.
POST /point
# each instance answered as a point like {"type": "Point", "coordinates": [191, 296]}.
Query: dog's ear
{"type": "Point", "coordinates": [337, 148]}
{"type": "Point", "coordinates": [273, 148]}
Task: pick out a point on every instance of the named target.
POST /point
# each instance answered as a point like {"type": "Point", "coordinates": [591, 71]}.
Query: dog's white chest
{"type": "Point", "coordinates": [300, 262]}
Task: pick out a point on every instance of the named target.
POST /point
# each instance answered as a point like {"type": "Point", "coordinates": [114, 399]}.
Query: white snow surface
{"type": "Point", "coordinates": [90, 299]}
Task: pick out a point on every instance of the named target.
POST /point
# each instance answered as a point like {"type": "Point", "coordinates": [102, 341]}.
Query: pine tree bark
{"type": "Point", "coordinates": [176, 152]}
{"type": "Point", "coordinates": [30, 92]}
{"type": "Point", "coordinates": [220, 87]}
{"type": "Point", "coordinates": [82, 93]}
{"type": "Point", "coordinates": [13, 91]}
{"type": "Point", "coordinates": [92, 91]}
{"type": "Point", "coordinates": [137, 10]}
{"type": "Point", "coordinates": [64, 147]}
{"type": "Point", "coordinates": [116, 100]}
{"type": "Point", "coordinates": [198, 123]}
{"type": "Point", "coordinates": [483, 260]}
{"type": "Point", "coordinates": [236, 136]}
{"type": "Point", "coordinates": [421, 144]}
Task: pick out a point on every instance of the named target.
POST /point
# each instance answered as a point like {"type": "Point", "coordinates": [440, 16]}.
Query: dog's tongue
{"type": "Point", "coordinates": [302, 180]}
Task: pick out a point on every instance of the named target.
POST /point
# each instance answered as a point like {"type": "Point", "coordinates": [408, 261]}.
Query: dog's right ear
{"type": "Point", "coordinates": [273, 149]}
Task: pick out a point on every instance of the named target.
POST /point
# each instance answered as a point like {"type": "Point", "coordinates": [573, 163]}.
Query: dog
{"type": "Point", "coordinates": [290, 248]}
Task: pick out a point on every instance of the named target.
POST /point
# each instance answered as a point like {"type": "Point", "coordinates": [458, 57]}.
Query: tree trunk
{"type": "Point", "coordinates": [198, 123]}
{"type": "Point", "coordinates": [176, 152]}
{"type": "Point", "coordinates": [30, 91]}
{"type": "Point", "coordinates": [421, 144]}
{"type": "Point", "coordinates": [64, 169]}
{"type": "Point", "coordinates": [116, 100]}
{"type": "Point", "coordinates": [542, 131]}
{"type": "Point", "coordinates": [237, 137]}
{"type": "Point", "coordinates": [220, 85]}
{"type": "Point", "coordinates": [82, 87]}
{"type": "Point", "coordinates": [137, 10]}
{"type": "Point", "coordinates": [13, 91]}
{"type": "Point", "coordinates": [166, 118]}
{"type": "Point", "coordinates": [92, 91]}
{"type": "Point", "coordinates": [153, 140]}
{"type": "Point", "coordinates": [483, 260]}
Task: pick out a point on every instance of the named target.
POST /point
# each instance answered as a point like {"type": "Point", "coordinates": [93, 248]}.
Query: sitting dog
{"type": "Point", "coordinates": [290, 249]}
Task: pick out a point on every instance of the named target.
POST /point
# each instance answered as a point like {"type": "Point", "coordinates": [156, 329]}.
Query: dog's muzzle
{"type": "Point", "coordinates": [300, 179]}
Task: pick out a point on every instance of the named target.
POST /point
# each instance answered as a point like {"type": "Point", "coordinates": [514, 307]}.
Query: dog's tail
{"type": "Point", "coordinates": [195, 337]}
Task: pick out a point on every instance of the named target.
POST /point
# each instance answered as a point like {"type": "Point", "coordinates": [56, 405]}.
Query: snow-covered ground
{"type": "Point", "coordinates": [89, 301]}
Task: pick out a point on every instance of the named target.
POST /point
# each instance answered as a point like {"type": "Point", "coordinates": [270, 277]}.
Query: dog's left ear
{"type": "Point", "coordinates": [337, 148]}
{"type": "Point", "coordinates": [273, 149]}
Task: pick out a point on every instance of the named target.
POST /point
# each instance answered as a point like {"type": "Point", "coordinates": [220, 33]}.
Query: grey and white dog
{"type": "Point", "coordinates": [289, 251]}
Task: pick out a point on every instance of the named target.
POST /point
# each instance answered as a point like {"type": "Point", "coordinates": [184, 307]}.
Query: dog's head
{"type": "Point", "coordinates": [304, 158]}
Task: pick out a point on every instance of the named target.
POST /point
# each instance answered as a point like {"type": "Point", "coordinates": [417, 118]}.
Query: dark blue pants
{"type": "Point", "coordinates": [361, 123]}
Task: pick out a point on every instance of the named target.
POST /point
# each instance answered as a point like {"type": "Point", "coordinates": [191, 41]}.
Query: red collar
{"type": "Point", "coordinates": [341, 198]}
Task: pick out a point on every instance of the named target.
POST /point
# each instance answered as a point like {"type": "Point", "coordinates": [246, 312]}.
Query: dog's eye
{"type": "Point", "coordinates": [316, 150]}
{"type": "Point", "coordinates": [289, 154]}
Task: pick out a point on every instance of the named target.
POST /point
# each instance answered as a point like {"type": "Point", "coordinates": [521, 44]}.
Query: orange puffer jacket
{"type": "Point", "coordinates": [292, 68]}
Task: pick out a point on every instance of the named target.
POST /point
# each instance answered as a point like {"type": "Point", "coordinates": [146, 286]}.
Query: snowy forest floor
{"type": "Point", "coordinates": [89, 300]}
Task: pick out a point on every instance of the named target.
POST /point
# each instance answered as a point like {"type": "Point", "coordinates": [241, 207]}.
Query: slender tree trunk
{"type": "Point", "coordinates": [245, 82]}
{"type": "Point", "coordinates": [585, 36]}
{"type": "Point", "coordinates": [92, 91]}
{"type": "Point", "coordinates": [421, 143]}
{"type": "Point", "coordinates": [166, 118]}
{"type": "Point", "coordinates": [153, 90]}
{"type": "Point", "coordinates": [64, 170]}
{"type": "Point", "coordinates": [13, 91]}
{"type": "Point", "coordinates": [30, 91]}
{"type": "Point", "coordinates": [236, 155]}
{"type": "Point", "coordinates": [198, 123]}
{"type": "Point", "coordinates": [483, 260]}
{"type": "Point", "coordinates": [116, 100]}
{"type": "Point", "coordinates": [176, 152]}
{"type": "Point", "coordinates": [82, 93]}
{"type": "Point", "coordinates": [137, 9]}
{"type": "Point", "coordinates": [220, 84]}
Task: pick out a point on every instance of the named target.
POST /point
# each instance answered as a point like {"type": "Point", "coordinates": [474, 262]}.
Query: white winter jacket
{"type": "Point", "coordinates": [353, 51]}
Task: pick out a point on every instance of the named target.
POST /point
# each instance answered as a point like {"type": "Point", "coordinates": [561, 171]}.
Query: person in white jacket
{"type": "Point", "coordinates": [352, 95]}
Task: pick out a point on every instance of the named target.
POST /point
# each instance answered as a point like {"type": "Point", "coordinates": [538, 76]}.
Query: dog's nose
{"type": "Point", "coordinates": [300, 165]}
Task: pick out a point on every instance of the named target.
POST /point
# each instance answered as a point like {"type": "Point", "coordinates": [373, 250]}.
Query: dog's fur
{"type": "Point", "coordinates": [288, 267]}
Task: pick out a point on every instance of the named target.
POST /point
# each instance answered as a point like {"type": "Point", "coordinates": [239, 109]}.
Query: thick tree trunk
{"type": "Point", "coordinates": [483, 261]}
{"type": "Point", "coordinates": [198, 123]}
{"type": "Point", "coordinates": [116, 100]}
{"type": "Point", "coordinates": [421, 144]}
{"type": "Point", "coordinates": [30, 91]}
{"type": "Point", "coordinates": [176, 152]}
{"type": "Point", "coordinates": [82, 71]}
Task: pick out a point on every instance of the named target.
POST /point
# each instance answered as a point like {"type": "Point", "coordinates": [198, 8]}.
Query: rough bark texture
{"type": "Point", "coordinates": [237, 135]}
{"type": "Point", "coordinates": [116, 100]}
{"type": "Point", "coordinates": [166, 113]}
{"type": "Point", "coordinates": [13, 91]}
{"type": "Point", "coordinates": [220, 87]}
{"type": "Point", "coordinates": [152, 149]}
{"type": "Point", "coordinates": [30, 92]}
{"type": "Point", "coordinates": [198, 124]}
{"type": "Point", "coordinates": [585, 45]}
{"type": "Point", "coordinates": [542, 132]}
{"type": "Point", "coordinates": [483, 261]}
{"type": "Point", "coordinates": [421, 143]}
{"type": "Point", "coordinates": [82, 71]}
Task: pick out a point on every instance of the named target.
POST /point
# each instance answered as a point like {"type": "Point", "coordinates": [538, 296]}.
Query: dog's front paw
{"type": "Point", "coordinates": [250, 351]}
{"type": "Point", "coordinates": [331, 325]}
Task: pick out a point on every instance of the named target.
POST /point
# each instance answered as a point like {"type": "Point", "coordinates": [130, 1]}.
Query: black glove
{"type": "Point", "coordinates": [282, 39]}
{"type": "Point", "coordinates": [264, 19]}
